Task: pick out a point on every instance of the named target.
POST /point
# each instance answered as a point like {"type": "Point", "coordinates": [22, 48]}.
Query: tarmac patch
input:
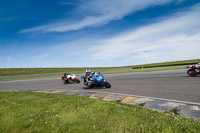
{"type": "Point", "coordinates": [69, 92]}
{"type": "Point", "coordinates": [86, 94]}
{"type": "Point", "coordinates": [162, 106]}
{"type": "Point", "coordinates": [190, 111]}
{"type": "Point", "coordinates": [141, 101]}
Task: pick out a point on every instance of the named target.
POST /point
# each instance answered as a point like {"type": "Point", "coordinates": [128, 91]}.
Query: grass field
{"type": "Point", "coordinates": [167, 63]}
{"type": "Point", "coordinates": [24, 112]}
{"type": "Point", "coordinates": [27, 71]}
{"type": "Point", "coordinates": [108, 72]}
{"type": "Point", "coordinates": [145, 69]}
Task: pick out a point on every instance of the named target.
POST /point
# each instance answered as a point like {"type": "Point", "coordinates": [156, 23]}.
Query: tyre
{"type": "Point", "coordinates": [64, 82]}
{"type": "Point", "coordinates": [191, 73]}
{"type": "Point", "coordinates": [107, 84]}
{"type": "Point", "coordinates": [90, 85]}
{"type": "Point", "coordinates": [77, 81]}
{"type": "Point", "coordinates": [67, 81]}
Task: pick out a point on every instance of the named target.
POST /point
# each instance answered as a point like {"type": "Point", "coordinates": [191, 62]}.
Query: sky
{"type": "Point", "coordinates": [97, 33]}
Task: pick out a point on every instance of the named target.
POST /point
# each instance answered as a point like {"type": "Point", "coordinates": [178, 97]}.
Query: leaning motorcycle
{"type": "Point", "coordinates": [69, 78]}
{"type": "Point", "coordinates": [192, 71]}
{"type": "Point", "coordinates": [96, 80]}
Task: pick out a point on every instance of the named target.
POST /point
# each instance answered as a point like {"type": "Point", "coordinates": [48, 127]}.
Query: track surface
{"type": "Point", "coordinates": [170, 84]}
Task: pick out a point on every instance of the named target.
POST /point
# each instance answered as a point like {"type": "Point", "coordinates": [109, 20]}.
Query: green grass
{"type": "Point", "coordinates": [145, 69]}
{"type": "Point", "coordinates": [28, 71]}
{"type": "Point", "coordinates": [24, 112]}
{"type": "Point", "coordinates": [54, 76]}
{"type": "Point", "coordinates": [167, 63]}
{"type": "Point", "coordinates": [108, 72]}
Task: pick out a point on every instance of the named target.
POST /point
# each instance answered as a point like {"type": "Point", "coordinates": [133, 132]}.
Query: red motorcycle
{"type": "Point", "coordinates": [69, 78]}
{"type": "Point", "coordinates": [192, 71]}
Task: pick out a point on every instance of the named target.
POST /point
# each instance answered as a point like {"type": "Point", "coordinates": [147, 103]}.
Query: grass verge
{"type": "Point", "coordinates": [55, 113]}
{"type": "Point", "coordinates": [108, 72]}
{"type": "Point", "coordinates": [54, 76]}
{"type": "Point", "coordinates": [145, 69]}
{"type": "Point", "coordinates": [167, 63]}
{"type": "Point", "coordinates": [28, 71]}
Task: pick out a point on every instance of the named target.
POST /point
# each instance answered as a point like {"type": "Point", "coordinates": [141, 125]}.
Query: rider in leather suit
{"type": "Point", "coordinates": [87, 75]}
{"type": "Point", "coordinates": [198, 67]}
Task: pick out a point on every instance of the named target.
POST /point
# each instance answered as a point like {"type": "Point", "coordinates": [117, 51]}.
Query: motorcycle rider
{"type": "Point", "coordinates": [64, 76]}
{"type": "Point", "coordinates": [68, 76]}
{"type": "Point", "coordinates": [87, 72]}
{"type": "Point", "coordinates": [197, 66]}
{"type": "Point", "coordinates": [87, 75]}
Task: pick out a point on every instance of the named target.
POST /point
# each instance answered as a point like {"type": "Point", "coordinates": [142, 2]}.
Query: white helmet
{"type": "Point", "coordinates": [199, 63]}
{"type": "Point", "coordinates": [87, 70]}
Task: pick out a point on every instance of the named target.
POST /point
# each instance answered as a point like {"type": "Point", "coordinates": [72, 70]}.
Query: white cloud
{"type": "Point", "coordinates": [180, 1]}
{"type": "Point", "coordinates": [101, 12]}
{"type": "Point", "coordinates": [173, 38]}
{"type": "Point", "coordinates": [8, 58]}
{"type": "Point", "coordinates": [67, 3]}
{"type": "Point", "coordinates": [43, 55]}
{"type": "Point", "coordinates": [61, 50]}
{"type": "Point", "coordinates": [46, 55]}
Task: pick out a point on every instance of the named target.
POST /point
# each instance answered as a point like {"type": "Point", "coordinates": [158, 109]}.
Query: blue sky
{"type": "Point", "coordinates": [80, 33]}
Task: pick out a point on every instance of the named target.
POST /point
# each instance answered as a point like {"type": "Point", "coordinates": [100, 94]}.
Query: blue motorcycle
{"type": "Point", "coordinates": [95, 80]}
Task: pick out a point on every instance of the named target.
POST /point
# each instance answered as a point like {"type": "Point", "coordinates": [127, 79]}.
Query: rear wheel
{"type": "Point", "coordinates": [107, 84]}
{"type": "Point", "coordinates": [191, 73]}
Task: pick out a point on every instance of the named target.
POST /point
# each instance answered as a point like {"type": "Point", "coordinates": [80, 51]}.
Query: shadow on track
{"type": "Point", "coordinates": [88, 88]}
{"type": "Point", "coordinates": [191, 77]}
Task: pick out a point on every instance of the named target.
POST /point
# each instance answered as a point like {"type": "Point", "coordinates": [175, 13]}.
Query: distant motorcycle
{"type": "Point", "coordinates": [69, 78]}
{"type": "Point", "coordinates": [95, 80]}
{"type": "Point", "coordinates": [192, 71]}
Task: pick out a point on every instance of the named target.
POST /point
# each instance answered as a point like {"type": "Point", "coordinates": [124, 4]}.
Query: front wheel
{"type": "Point", "coordinates": [107, 84]}
{"type": "Point", "coordinates": [77, 81]}
{"type": "Point", "coordinates": [66, 81]}
{"type": "Point", "coordinates": [191, 73]}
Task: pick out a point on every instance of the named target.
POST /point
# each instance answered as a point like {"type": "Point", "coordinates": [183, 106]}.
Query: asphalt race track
{"type": "Point", "coordinates": [170, 84]}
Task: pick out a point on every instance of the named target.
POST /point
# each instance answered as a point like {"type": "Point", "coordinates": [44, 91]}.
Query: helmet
{"type": "Point", "coordinates": [87, 70]}
{"type": "Point", "coordinates": [199, 63]}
